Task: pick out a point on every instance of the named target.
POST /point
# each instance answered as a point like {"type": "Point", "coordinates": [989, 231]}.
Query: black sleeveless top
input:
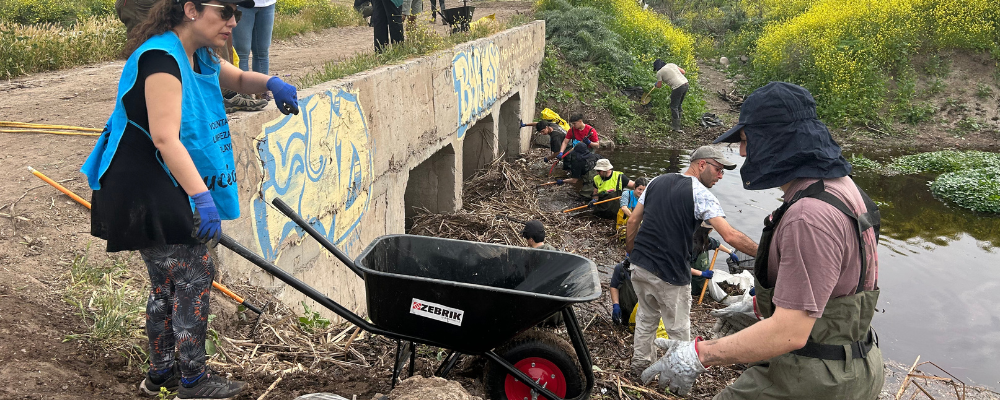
{"type": "Point", "coordinates": [663, 244]}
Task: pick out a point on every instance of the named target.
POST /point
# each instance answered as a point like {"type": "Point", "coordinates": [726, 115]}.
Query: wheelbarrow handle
{"type": "Point", "coordinates": [285, 209]}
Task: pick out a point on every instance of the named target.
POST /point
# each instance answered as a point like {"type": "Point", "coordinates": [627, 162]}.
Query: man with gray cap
{"type": "Point", "coordinates": [659, 244]}
{"type": "Point", "coordinates": [816, 271]}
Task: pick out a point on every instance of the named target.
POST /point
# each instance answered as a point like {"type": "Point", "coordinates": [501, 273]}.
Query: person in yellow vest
{"type": "Point", "coordinates": [627, 203]}
{"type": "Point", "coordinates": [608, 184]}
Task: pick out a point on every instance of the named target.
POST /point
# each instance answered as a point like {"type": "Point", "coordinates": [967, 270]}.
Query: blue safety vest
{"type": "Point", "coordinates": [204, 126]}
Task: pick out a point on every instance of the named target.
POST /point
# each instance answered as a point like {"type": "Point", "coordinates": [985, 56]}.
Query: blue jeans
{"type": "Point", "coordinates": [253, 34]}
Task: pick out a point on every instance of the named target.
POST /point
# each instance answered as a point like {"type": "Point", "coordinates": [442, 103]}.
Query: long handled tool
{"type": "Point", "coordinates": [86, 203]}
{"type": "Point", "coordinates": [588, 205]}
{"type": "Point", "coordinates": [546, 184]}
{"type": "Point", "coordinates": [648, 96]}
{"type": "Point", "coordinates": [710, 267]}
{"type": "Point", "coordinates": [553, 167]}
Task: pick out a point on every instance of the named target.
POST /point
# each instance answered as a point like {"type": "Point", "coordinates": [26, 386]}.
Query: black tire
{"type": "Point", "coordinates": [540, 344]}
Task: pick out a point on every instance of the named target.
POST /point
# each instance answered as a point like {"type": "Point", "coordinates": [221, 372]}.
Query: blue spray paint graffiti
{"type": "Point", "coordinates": [475, 72]}
{"type": "Point", "coordinates": [319, 162]}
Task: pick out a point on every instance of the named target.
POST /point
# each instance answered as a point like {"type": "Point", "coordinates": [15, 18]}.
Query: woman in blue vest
{"type": "Point", "coordinates": [164, 178]}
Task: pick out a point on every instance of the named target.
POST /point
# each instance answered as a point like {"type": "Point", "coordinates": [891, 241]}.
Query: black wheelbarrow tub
{"type": "Point", "coordinates": [469, 296]}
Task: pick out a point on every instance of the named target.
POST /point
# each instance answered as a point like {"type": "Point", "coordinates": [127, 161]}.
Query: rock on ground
{"type": "Point", "coordinates": [420, 388]}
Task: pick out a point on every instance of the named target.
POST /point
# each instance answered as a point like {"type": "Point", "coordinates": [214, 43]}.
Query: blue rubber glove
{"type": "Point", "coordinates": [545, 159]}
{"type": "Point", "coordinates": [734, 257]}
{"type": "Point", "coordinates": [753, 291]}
{"type": "Point", "coordinates": [616, 314]}
{"type": "Point", "coordinates": [586, 141]}
{"type": "Point", "coordinates": [707, 274]}
{"type": "Point", "coordinates": [522, 124]}
{"type": "Point", "coordinates": [591, 204]}
{"type": "Point", "coordinates": [285, 96]}
{"type": "Point", "coordinates": [207, 224]}
{"type": "Point", "coordinates": [559, 182]}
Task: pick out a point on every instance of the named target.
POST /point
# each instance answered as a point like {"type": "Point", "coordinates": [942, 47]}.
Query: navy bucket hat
{"type": "Point", "coordinates": [785, 139]}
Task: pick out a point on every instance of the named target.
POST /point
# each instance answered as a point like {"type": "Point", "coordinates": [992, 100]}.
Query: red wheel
{"type": "Point", "coordinates": [540, 370]}
{"type": "Point", "coordinates": [545, 358]}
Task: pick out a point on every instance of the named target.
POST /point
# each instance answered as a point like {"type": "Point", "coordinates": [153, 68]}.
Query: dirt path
{"type": "Point", "coordinates": [41, 230]}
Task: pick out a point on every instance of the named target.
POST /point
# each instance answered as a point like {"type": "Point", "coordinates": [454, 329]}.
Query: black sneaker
{"type": "Point", "coordinates": [172, 382]}
{"type": "Point", "coordinates": [211, 386]}
{"type": "Point", "coordinates": [242, 102]}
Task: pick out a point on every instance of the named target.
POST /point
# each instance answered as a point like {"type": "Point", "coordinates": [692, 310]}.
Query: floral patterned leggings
{"type": "Point", "coordinates": [177, 309]}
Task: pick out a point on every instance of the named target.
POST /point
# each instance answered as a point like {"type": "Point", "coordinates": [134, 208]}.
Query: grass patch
{"type": "Point", "coordinates": [420, 41]}
{"type": "Point", "coordinates": [26, 49]}
{"type": "Point", "coordinates": [65, 12]}
{"type": "Point", "coordinates": [297, 17]}
{"type": "Point", "coordinates": [112, 302]}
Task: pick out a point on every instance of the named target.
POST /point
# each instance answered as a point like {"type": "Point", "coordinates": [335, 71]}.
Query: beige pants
{"type": "Point", "coordinates": [658, 300]}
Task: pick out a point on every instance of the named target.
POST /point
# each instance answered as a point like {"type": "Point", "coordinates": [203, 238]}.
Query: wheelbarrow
{"type": "Point", "coordinates": [458, 18]}
{"type": "Point", "coordinates": [469, 298]}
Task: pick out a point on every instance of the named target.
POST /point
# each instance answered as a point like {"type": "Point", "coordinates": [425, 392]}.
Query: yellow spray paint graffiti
{"type": "Point", "coordinates": [319, 162]}
{"type": "Point", "coordinates": [475, 71]}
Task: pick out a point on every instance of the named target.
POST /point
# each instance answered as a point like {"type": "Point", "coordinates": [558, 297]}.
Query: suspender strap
{"type": "Point", "coordinates": [859, 349]}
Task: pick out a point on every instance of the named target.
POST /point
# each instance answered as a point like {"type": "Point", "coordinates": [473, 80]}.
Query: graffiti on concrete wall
{"type": "Point", "coordinates": [475, 71]}
{"type": "Point", "coordinates": [320, 162]}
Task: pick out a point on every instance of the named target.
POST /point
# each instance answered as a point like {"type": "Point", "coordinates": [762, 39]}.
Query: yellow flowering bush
{"type": "Point", "coordinates": [845, 51]}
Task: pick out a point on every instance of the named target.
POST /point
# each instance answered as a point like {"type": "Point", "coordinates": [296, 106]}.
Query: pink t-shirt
{"type": "Point", "coordinates": [814, 253]}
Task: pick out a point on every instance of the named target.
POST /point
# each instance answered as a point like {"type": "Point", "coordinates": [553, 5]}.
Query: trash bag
{"type": "Point", "coordinates": [743, 280]}
{"type": "Point", "coordinates": [710, 120]}
{"type": "Point", "coordinates": [548, 114]}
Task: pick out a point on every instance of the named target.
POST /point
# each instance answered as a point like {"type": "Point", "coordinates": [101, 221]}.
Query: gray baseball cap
{"type": "Point", "coordinates": [709, 152]}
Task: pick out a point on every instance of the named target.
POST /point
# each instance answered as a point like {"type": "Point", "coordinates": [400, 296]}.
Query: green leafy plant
{"type": "Point", "coordinates": [861, 163]}
{"type": "Point", "coordinates": [311, 321]}
{"type": "Point", "coordinates": [943, 161]}
{"type": "Point", "coordinates": [974, 189]}
{"type": "Point", "coordinates": [165, 394]}
{"type": "Point", "coordinates": [983, 90]}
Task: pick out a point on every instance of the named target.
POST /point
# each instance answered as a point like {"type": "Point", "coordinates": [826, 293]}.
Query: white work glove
{"type": "Point", "coordinates": [678, 368]}
{"type": "Point", "coordinates": [734, 318]}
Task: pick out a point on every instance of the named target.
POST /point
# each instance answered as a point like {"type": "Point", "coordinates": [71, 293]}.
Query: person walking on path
{"type": "Point", "coordinates": [659, 243]}
{"type": "Point", "coordinates": [434, 11]}
{"type": "Point", "coordinates": [816, 273]}
{"type": "Point", "coordinates": [387, 18]}
{"type": "Point", "coordinates": [673, 76]}
{"type": "Point", "coordinates": [163, 178]}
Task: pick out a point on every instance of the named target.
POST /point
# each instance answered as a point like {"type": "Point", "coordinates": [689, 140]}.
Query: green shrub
{"type": "Point", "coordinates": [974, 189]}
{"type": "Point", "coordinates": [582, 36]}
{"type": "Point", "coordinates": [861, 163]}
{"type": "Point", "coordinates": [64, 12]}
{"type": "Point", "coordinates": [26, 49]}
{"type": "Point", "coordinates": [301, 16]}
{"type": "Point", "coordinates": [944, 161]}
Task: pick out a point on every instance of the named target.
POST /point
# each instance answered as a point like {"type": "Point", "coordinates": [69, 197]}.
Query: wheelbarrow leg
{"type": "Point", "coordinates": [404, 351]}
{"type": "Point", "coordinates": [448, 363]}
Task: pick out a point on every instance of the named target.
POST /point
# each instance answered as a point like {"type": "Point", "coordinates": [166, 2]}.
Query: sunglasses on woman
{"type": "Point", "coordinates": [227, 12]}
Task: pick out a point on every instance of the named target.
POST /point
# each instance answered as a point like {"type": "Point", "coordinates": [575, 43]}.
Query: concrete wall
{"type": "Point", "coordinates": [366, 149]}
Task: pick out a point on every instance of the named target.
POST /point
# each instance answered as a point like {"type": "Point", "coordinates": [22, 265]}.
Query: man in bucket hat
{"type": "Point", "coordinates": [669, 210]}
{"type": "Point", "coordinates": [816, 272]}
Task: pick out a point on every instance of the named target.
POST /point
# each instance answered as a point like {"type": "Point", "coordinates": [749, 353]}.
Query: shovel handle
{"type": "Point", "coordinates": [599, 202]}
{"type": "Point", "coordinates": [710, 267]}
{"type": "Point", "coordinates": [285, 209]}
{"type": "Point", "coordinates": [236, 297]}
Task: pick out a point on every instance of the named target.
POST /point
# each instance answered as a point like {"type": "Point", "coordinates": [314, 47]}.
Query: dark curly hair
{"type": "Point", "coordinates": [164, 16]}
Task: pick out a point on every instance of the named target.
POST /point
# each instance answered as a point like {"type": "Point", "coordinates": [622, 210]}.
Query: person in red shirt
{"type": "Point", "coordinates": [579, 132]}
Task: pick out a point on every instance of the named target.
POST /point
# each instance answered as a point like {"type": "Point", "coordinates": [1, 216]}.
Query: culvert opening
{"type": "Point", "coordinates": [477, 147]}
{"type": "Point", "coordinates": [509, 128]}
{"type": "Point", "coordinates": [431, 185]}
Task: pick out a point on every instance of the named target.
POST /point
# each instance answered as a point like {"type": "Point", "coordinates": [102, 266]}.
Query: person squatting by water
{"type": "Point", "coordinates": [659, 245]}
{"type": "Point", "coordinates": [816, 273]}
{"type": "Point", "coordinates": [171, 211]}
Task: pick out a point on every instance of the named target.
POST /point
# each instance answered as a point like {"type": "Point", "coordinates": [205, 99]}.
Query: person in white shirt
{"type": "Point", "coordinates": [673, 76]}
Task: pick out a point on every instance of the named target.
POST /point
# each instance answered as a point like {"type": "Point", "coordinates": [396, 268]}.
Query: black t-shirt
{"type": "Point", "coordinates": [663, 245]}
{"type": "Point", "coordinates": [556, 137]}
{"type": "Point", "coordinates": [139, 206]}
{"type": "Point", "coordinates": [580, 165]}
